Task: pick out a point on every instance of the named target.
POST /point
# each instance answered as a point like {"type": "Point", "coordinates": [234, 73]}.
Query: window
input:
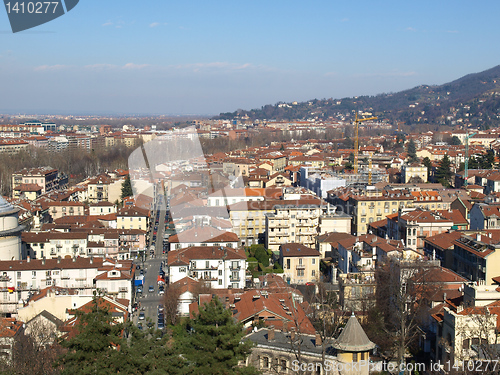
{"type": "Point", "coordinates": [220, 272]}
{"type": "Point", "coordinates": [313, 273]}
{"type": "Point", "coordinates": [300, 272]}
{"type": "Point", "coordinates": [207, 264]}
{"type": "Point", "coordinates": [283, 365]}
{"type": "Point", "coordinates": [33, 274]}
{"type": "Point", "coordinates": [300, 261]}
{"type": "Point", "coordinates": [313, 260]}
{"type": "Point", "coordinates": [220, 281]}
{"type": "Point", "coordinates": [355, 357]}
{"type": "Point", "coordinates": [18, 274]}
{"type": "Point", "coordinates": [288, 263]}
{"type": "Point", "coordinates": [265, 362]}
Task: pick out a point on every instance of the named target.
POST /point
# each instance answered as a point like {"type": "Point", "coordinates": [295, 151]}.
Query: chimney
{"type": "Point", "coordinates": [91, 259]}
{"type": "Point", "coordinates": [28, 259]}
{"type": "Point", "coordinates": [59, 259]}
{"type": "Point", "coordinates": [318, 339]}
{"type": "Point", "coordinates": [270, 334]}
{"type": "Point", "coordinates": [43, 261]}
{"type": "Point", "coordinates": [74, 259]}
{"type": "Point", "coordinates": [292, 334]}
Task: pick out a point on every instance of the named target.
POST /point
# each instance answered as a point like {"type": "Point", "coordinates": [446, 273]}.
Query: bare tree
{"type": "Point", "coordinates": [171, 302]}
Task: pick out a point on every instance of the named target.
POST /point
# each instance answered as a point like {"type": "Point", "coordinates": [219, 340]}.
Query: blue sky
{"type": "Point", "coordinates": [207, 57]}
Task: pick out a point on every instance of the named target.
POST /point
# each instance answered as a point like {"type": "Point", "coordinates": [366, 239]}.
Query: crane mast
{"type": "Point", "coordinates": [466, 162]}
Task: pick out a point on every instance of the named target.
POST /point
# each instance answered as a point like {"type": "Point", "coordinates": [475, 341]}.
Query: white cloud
{"type": "Point", "coordinates": [109, 23]}
{"type": "Point", "coordinates": [154, 24]}
{"type": "Point", "coordinates": [412, 29]}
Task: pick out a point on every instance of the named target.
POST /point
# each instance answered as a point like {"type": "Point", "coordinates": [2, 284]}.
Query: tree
{"type": "Point", "coordinates": [487, 160]}
{"type": "Point", "coordinates": [93, 349]}
{"type": "Point", "coordinates": [127, 190]}
{"type": "Point", "coordinates": [427, 163]}
{"type": "Point", "coordinates": [211, 342]}
{"type": "Point", "coordinates": [171, 302]}
{"type": "Point", "coordinates": [412, 151]}
{"type": "Point", "coordinates": [455, 141]}
{"type": "Point", "coordinates": [443, 172]}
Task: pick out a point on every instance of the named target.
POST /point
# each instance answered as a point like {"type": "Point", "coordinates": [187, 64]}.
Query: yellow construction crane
{"type": "Point", "coordinates": [357, 121]}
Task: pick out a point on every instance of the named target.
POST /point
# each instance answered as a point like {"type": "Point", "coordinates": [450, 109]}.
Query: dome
{"type": "Point", "coordinates": [6, 207]}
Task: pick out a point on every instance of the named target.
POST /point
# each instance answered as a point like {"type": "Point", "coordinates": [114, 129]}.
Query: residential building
{"type": "Point", "coordinates": [132, 218]}
{"type": "Point", "coordinates": [221, 267]}
{"type": "Point", "coordinates": [293, 221]}
{"type": "Point", "coordinates": [11, 332]}
{"type": "Point", "coordinates": [60, 209]}
{"type": "Point", "coordinates": [413, 173]}
{"type": "Point", "coordinates": [300, 263]}
{"type": "Point", "coordinates": [477, 256]}
{"type": "Point", "coordinates": [203, 236]}
{"type": "Point", "coordinates": [46, 177]}
{"type": "Point", "coordinates": [484, 216]}
{"type": "Point", "coordinates": [24, 277]}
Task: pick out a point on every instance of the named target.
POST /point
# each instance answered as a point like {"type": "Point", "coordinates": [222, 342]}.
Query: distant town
{"type": "Point", "coordinates": [352, 245]}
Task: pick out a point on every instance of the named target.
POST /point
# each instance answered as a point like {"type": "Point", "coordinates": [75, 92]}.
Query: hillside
{"type": "Point", "coordinates": [474, 99]}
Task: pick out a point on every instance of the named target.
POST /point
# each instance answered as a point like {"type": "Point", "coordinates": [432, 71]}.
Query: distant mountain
{"type": "Point", "coordinates": [474, 99]}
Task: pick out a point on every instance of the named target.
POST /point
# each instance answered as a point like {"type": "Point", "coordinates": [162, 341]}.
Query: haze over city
{"type": "Point", "coordinates": [164, 57]}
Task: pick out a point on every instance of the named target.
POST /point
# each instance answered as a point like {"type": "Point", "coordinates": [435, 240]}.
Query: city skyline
{"type": "Point", "coordinates": [204, 58]}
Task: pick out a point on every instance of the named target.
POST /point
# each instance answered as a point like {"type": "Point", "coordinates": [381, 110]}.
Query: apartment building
{"type": "Point", "coordinates": [365, 209]}
{"type": "Point", "coordinates": [293, 221]}
{"type": "Point", "coordinates": [203, 236]}
{"type": "Point", "coordinates": [415, 226]}
{"type": "Point", "coordinates": [484, 216]}
{"type": "Point", "coordinates": [248, 220]}
{"type": "Point", "coordinates": [132, 218]}
{"type": "Point", "coordinates": [60, 209]}
{"type": "Point", "coordinates": [24, 277]}
{"type": "Point", "coordinates": [477, 256]}
{"type": "Point", "coordinates": [102, 208]}
{"type": "Point", "coordinates": [300, 263]}
{"type": "Point", "coordinates": [413, 173]}
{"type": "Point", "coordinates": [221, 267]}
{"type": "Point", "coordinates": [46, 177]}
{"type": "Point", "coordinates": [98, 188]}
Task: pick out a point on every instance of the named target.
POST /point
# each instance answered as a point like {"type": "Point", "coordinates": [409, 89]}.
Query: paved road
{"type": "Point", "coordinates": [150, 301]}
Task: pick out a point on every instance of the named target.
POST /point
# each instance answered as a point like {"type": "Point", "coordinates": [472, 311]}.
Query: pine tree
{"type": "Point", "coordinates": [127, 190]}
{"type": "Point", "coordinates": [443, 172]}
{"type": "Point", "coordinates": [93, 349]}
{"type": "Point", "coordinates": [211, 343]}
{"type": "Point", "coordinates": [427, 162]}
{"type": "Point", "coordinates": [412, 152]}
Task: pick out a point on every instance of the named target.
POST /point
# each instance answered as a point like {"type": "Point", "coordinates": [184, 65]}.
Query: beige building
{"type": "Point", "coordinates": [98, 188]}
{"type": "Point", "coordinates": [132, 218]}
{"type": "Point", "coordinates": [413, 172]}
{"type": "Point", "coordinates": [300, 263]}
{"type": "Point", "coordinates": [102, 208]}
{"type": "Point", "coordinates": [293, 221]}
{"type": "Point", "coordinates": [61, 209]}
{"type": "Point", "coordinates": [249, 220]}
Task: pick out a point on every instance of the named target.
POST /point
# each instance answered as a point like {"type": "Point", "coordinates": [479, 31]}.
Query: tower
{"type": "Point", "coordinates": [10, 232]}
{"type": "Point", "coordinates": [353, 349]}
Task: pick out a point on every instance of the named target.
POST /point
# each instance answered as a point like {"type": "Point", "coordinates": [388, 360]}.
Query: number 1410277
{"type": "Point", "coordinates": [38, 7]}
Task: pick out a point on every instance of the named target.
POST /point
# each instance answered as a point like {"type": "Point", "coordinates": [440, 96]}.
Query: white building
{"type": "Point", "coordinates": [222, 267]}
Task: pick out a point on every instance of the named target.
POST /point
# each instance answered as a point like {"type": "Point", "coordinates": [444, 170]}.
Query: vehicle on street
{"type": "Point", "coordinates": [151, 289]}
{"type": "Point", "coordinates": [142, 316]}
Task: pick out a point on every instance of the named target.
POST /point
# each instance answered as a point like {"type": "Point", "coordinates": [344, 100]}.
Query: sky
{"type": "Point", "coordinates": [206, 57]}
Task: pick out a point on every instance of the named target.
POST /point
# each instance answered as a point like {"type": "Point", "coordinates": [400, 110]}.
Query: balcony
{"type": "Point", "coordinates": [300, 267]}
{"type": "Point", "coordinates": [122, 289]}
{"type": "Point", "coordinates": [234, 278]}
{"type": "Point", "coordinates": [234, 267]}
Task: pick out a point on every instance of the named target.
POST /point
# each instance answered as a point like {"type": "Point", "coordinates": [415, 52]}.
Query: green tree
{"type": "Point", "coordinates": [93, 349]}
{"type": "Point", "coordinates": [455, 141]}
{"type": "Point", "coordinates": [487, 160]}
{"type": "Point", "coordinates": [127, 190]}
{"type": "Point", "coordinates": [262, 256]}
{"type": "Point", "coordinates": [443, 171]}
{"type": "Point", "coordinates": [211, 343]}
{"type": "Point", "coordinates": [427, 163]}
{"type": "Point", "coordinates": [412, 151]}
